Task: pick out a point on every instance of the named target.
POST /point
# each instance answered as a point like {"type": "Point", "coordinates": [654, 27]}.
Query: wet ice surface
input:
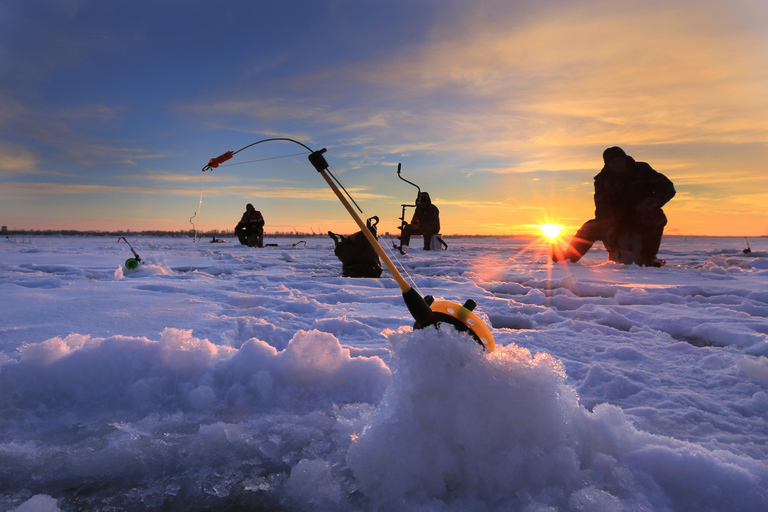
{"type": "Point", "coordinates": [221, 376]}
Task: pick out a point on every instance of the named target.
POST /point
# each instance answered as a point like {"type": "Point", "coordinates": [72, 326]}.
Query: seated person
{"type": "Point", "coordinates": [425, 222]}
{"type": "Point", "coordinates": [250, 229]}
{"type": "Point", "coordinates": [628, 215]}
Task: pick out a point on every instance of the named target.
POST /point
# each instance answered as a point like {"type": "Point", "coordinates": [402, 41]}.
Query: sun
{"type": "Point", "coordinates": [551, 230]}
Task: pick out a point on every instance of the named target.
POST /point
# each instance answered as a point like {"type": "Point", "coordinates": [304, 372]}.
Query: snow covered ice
{"type": "Point", "coordinates": [217, 376]}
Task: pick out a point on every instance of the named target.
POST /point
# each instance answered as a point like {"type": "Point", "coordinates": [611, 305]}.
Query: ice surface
{"type": "Point", "coordinates": [217, 376]}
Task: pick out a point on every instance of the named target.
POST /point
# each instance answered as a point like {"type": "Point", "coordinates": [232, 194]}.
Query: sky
{"type": "Point", "coordinates": [500, 110]}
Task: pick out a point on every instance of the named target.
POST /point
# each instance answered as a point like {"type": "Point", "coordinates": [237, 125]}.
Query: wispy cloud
{"type": "Point", "coordinates": [17, 189]}
{"type": "Point", "coordinates": [317, 194]}
{"type": "Point", "coordinates": [547, 91]}
{"type": "Point", "coordinates": [60, 130]}
{"type": "Point", "coordinates": [169, 177]}
{"type": "Point", "coordinates": [268, 109]}
{"type": "Point", "coordinates": [484, 205]}
{"type": "Point", "coordinates": [15, 158]}
{"type": "Point", "coordinates": [90, 112]}
{"type": "Point", "coordinates": [91, 152]}
{"type": "Point", "coordinates": [581, 76]}
{"type": "Point", "coordinates": [711, 179]}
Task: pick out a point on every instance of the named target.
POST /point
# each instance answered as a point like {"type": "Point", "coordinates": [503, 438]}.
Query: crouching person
{"type": "Point", "coordinates": [628, 215]}
{"type": "Point", "coordinates": [250, 229]}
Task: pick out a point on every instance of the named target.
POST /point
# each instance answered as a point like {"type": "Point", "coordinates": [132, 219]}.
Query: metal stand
{"type": "Point", "coordinates": [403, 223]}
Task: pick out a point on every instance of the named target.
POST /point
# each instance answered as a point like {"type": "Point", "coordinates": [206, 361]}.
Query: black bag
{"type": "Point", "coordinates": [357, 255]}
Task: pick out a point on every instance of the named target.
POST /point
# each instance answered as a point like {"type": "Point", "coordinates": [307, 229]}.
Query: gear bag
{"type": "Point", "coordinates": [357, 255]}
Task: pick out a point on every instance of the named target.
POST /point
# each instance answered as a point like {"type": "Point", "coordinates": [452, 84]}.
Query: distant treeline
{"type": "Point", "coordinates": [186, 233]}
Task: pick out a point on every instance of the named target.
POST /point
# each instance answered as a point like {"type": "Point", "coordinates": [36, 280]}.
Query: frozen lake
{"type": "Point", "coordinates": [221, 376]}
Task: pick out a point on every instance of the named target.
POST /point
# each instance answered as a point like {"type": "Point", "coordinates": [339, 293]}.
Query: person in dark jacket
{"type": "Point", "coordinates": [425, 222]}
{"type": "Point", "coordinates": [628, 215]}
{"type": "Point", "coordinates": [250, 229]}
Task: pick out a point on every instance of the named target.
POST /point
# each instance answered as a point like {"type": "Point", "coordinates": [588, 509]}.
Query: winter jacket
{"type": "Point", "coordinates": [251, 221]}
{"type": "Point", "coordinates": [426, 218]}
{"type": "Point", "coordinates": [634, 197]}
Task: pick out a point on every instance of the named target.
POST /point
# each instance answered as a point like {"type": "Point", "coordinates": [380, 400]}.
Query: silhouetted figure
{"type": "Point", "coordinates": [425, 222]}
{"type": "Point", "coordinates": [250, 229]}
{"type": "Point", "coordinates": [628, 215]}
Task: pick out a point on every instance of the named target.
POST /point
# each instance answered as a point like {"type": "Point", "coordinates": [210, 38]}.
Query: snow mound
{"type": "Point", "coordinates": [462, 430]}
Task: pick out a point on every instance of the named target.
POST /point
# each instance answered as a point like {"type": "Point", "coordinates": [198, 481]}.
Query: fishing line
{"type": "Point", "coordinates": [216, 162]}
{"type": "Point", "coordinates": [402, 267]}
{"type": "Point", "coordinates": [341, 186]}
{"type": "Point", "coordinates": [199, 209]}
{"type": "Point", "coordinates": [262, 159]}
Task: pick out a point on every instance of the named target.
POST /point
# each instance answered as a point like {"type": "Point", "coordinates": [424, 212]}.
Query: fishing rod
{"type": "Point", "coordinates": [426, 311]}
{"type": "Point", "coordinates": [748, 249]}
{"type": "Point", "coordinates": [131, 263]}
{"type": "Point", "coordinates": [403, 223]}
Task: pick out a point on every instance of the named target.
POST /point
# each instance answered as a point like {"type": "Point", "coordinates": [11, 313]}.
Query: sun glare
{"type": "Point", "coordinates": [550, 230]}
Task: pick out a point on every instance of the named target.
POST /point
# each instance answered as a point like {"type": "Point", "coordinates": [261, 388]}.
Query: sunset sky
{"type": "Point", "coordinates": [499, 109]}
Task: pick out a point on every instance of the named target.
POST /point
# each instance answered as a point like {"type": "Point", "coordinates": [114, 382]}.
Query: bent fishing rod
{"type": "Point", "coordinates": [426, 311]}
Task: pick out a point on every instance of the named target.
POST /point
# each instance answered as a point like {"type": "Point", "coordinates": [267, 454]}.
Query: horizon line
{"type": "Point", "coordinates": [217, 232]}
